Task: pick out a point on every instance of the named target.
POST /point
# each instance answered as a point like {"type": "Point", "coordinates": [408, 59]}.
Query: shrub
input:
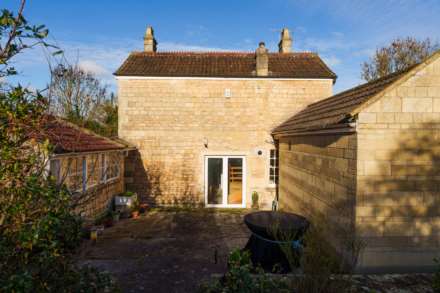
{"type": "Point", "coordinates": [436, 279]}
{"type": "Point", "coordinates": [325, 270]}
{"type": "Point", "coordinates": [38, 231]}
{"type": "Point", "coordinates": [255, 198]}
{"type": "Point", "coordinates": [242, 277]}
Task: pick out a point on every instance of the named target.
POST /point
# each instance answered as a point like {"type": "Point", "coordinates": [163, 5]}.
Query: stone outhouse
{"type": "Point", "coordinates": [368, 160]}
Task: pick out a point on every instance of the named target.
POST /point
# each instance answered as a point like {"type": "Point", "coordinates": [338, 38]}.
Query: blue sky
{"type": "Point", "coordinates": [99, 34]}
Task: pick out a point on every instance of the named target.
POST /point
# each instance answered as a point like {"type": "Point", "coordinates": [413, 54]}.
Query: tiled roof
{"type": "Point", "coordinates": [333, 111]}
{"type": "Point", "coordinates": [68, 138]}
{"type": "Point", "coordinates": [222, 64]}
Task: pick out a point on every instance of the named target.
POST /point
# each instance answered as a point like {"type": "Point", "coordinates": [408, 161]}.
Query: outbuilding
{"type": "Point", "coordinates": [368, 160]}
{"type": "Point", "coordinates": [89, 165]}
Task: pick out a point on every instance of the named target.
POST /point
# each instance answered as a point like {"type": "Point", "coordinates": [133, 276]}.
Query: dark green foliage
{"type": "Point", "coordinates": [109, 125]}
{"type": "Point", "coordinates": [38, 231]}
{"type": "Point", "coordinates": [242, 277]}
{"type": "Point", "coordinates": [16, 34]}
{"type": "Point", "coordinates": [436, 279]}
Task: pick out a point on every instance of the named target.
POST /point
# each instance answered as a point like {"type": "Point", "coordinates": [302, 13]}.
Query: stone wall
{"type": "Point", "coordinates": [398, 192]}
{"type": "Point", "coordinates": [174, 123]}
{"type": "Point", "coordinates": [318, 180]}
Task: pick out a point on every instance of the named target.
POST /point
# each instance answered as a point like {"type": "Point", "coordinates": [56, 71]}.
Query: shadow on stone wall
{"type": "Point", "coordinates": [315, 178]}
{"type": "Point", "coordinates": [161, 185]}
{"type": "Point", "coordinates": [400, 205]}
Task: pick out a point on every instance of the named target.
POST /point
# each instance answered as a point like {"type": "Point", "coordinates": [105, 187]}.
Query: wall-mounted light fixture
{"type": "Point", "coordinates": [228, 93]}
{"type": "Point", "coordinates": [205, 142]}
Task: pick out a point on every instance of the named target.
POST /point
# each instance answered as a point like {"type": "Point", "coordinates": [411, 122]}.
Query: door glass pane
{"type": "Point", "coordinates": [215, 172]}
{"type": "Point", "coordinates": [235, 180]}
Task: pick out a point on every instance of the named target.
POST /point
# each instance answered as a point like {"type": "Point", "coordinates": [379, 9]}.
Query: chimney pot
{"type": "Point", "coordinates": [150, 44]}
{"type": "Point", "coordinates": [262, 58]}
{"type": "Point", "coordinates": [285, 44]}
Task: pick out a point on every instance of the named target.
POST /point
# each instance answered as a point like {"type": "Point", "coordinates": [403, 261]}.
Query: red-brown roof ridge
{"type": "Point", "coordinates": [232, 64]}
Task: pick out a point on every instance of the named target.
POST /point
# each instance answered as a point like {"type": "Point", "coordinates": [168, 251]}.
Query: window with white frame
{"type": "Point", "coordinates": [273, 167]}
{"type": "Point", "coordinates": [102, 168]}
{"type": "Point", "coordinates": [93, 170]}
{"type": "Point", "coordinates": [74, 178]}
{"type": "Point", "coordinates": [112, 166]}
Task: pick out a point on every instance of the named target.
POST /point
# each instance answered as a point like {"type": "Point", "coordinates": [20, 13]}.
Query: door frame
{"type": "Point", "coordinates": [224, 184]}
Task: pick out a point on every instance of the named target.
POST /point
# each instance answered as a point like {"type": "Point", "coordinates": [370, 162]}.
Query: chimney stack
{"type": "Point", "coordinates": [262, 57]}
{"type": "Point", "coordinates": [150, 44]}
{"type": "Point", "coordinates": [285, 44]}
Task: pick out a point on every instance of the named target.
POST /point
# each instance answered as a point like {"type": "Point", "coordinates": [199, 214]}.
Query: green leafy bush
{"type": "Point", "coordinates": [38, 231]}
{"type": "Point", "coordinates": [242, 277]}
{"type": "Point", "coordinates": [436, 279]}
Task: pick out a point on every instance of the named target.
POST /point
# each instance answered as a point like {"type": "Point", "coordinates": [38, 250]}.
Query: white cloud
{"type": "Point", "coordinates": [92, 67]}
{"type": "Point", "coordinates": [332, 61]}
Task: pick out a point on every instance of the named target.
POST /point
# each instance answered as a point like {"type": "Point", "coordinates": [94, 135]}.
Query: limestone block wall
{"type": "Point", "coordinates": [318, 179]}
{"type": "Point", "coordinates": [174, 123]}
{"type": "Point", "coordinates": [398, 190]}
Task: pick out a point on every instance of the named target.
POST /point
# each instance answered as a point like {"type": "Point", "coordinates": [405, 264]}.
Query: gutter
{"type": "Point", "coordinates": [345, 128]}
{"type": "Point", "coordinates": [72, 154]}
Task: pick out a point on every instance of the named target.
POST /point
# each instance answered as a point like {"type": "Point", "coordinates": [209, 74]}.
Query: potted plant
{"type": "Point", "coordinates": [135, 214]}
{"type": "Point", "coordinates": [135, 209]}
{"type": "Point", "coordinates": [143, 207]}
{"type": "Point", "coordinates": [116, 215]}
{"type": "Point", "coordinates": [107, 221]}
{"type": "Point", "coordinates": [255, 197]}
{"type": "Point", "coordinates": [124, 203]}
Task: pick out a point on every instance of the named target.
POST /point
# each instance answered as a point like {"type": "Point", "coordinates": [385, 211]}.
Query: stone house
{"type": "Point", "coordinates": [368, 159]}
{"type": "Point", "coordinates": [91, 166]}
{"type": "Point", "coordinates": [202, 121]}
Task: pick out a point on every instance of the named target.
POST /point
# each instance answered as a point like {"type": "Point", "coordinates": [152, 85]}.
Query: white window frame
{"type": "Point", "coordinates": [107, 166]}
{"type": "Point", "coordinates": [225, 183]}
{"type": "Point", "coordinates": [87, 178]}
{"type": "Point", "coordinates": [84, 174]}
{"type": "Point", "coordinates": [74, 174]}
{"type": "Point", "coordinates": [102, 168]}
{"type": "Point", "coordinates": [273, 183]}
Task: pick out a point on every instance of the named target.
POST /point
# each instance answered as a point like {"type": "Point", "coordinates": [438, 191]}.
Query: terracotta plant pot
{"type": "Point", "coordinates": [143, 208]}
{"type": "Point", "coordinates": [135, 214]}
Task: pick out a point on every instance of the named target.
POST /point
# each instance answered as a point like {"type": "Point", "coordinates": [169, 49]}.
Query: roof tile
{"type": "Point", "coordinates": [331, 111]}
{"type": "Point", "coordinates": [223, 64]}
{"type": "Point", "coordinates": [67, 137]}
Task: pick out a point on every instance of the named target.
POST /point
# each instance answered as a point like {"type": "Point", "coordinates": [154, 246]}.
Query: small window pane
{"type": "Point", "coordinates": [74, 174]}
{"type": "Point", "coordinates": [273, 167]}
{"type": "Point", "coordinates": [55, 170]}
{"type": "Point", "coordinates": [92, 170]}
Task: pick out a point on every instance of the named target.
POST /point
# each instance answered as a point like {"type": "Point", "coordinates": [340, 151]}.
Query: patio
{"type": "Point", "coordinates": [173, 250]}
{"type": "Point", "coordinates": [167, 250]}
